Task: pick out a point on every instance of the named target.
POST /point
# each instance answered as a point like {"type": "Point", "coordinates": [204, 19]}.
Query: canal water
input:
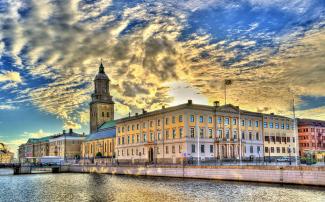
{"type": "Point", "coordinates": [101, 187]}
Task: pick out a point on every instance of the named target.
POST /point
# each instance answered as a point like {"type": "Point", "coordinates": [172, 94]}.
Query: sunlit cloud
{"type": "Point", "coordinates": [155, 54]}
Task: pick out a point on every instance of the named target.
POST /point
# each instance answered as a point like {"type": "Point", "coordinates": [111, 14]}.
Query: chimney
{"type": "Point", "coordinates": [144, 111]}
{"type": "Point", "coordinates": [70, 131]}
{"type": "Point", "coordinates": [63, 131]}
{"type": "Point", "coordinates": [216, 103]}
{"type": "Point", "coordinates": [189, 102]}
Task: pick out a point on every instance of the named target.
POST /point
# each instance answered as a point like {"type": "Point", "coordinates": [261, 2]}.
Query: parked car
{"type": "Point", "coordinates": [283, 159]}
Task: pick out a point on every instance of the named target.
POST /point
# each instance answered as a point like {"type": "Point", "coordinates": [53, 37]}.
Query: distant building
{"type": "Point", "coordinates": [66, 145]}
{"type": "Point", "coordinates": [311, 137]}
{"type": "Point", "coordinates": [5, 155]}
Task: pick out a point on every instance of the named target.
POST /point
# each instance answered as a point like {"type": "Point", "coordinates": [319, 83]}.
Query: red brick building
{"type": "Point", "coordinates": [311, 135]}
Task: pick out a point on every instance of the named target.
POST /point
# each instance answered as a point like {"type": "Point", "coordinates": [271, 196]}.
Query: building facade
{"type": "Point", "coordinates": [311, 137]}
{"type": "Point", "coordinates": [280, 138]}
{"type": "Point", "coordinates": [5, 155]}
{"type": "Point", "coordinates": [102, 105]}
{"type": "Point", "coordinates": [66, 145]}
{"type": "Point", "coordinates": [100, 146]}
{"type": "Point", "coordinates": [197, 132]}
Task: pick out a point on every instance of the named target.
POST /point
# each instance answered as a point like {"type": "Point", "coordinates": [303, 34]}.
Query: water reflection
{"type": "Point", "coordinates": [94, 187]}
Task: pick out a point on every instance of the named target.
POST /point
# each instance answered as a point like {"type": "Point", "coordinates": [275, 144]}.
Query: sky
{"type": "Point", "coordinates": [156, 52]}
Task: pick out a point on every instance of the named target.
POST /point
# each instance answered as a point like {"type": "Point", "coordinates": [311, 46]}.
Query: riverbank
{"type": "Point", "coordinates": [302, 175]}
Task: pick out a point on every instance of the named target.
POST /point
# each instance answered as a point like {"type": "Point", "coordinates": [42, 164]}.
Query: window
{"type": "Point", "coordinates": [166, 121]}
{"type": "Point", "coordinates": [144, 137]}
{"type": "Point", "coordinates": [192, 133]}
{"type": "Point", "coordinates": [180, 118]}
{"type": "Point", "coordinates": [128, 139]}
{"type": "Point", "coordinates": [166, 149]}
{"type": "Point", "coordinates": [293, 139]}
{"type": "Point", "coordinates": [132, 138]}
{"type": "Point", "coordinates": [235, 134]}
{"type": "Point", "coordinates": [265, 124]}
{"type": "Point", "coordinates": [251, 149]}
{"type": "Point", "coordinates": [103, 114]}
{"type": "Point", "coordinates": [243, 135]}
{"type": "Point", "coordinates": [219, 119]}
{"type": "Point", "coordinates": [243, 122]}
{"type": "Point", "coordinates": [180, 132]}
{"type": "Point", "coordinates": [210, 119]}
{"type": "Point", "coordinates": [210, 133]}
{"type": "Point", "coordinates": [258, 149]}
{"type": "Point", "coordinates": [158, 122]}
{"type": "Point", "coordinates": [250, 123]}
{"type": "Point", "coordinates": [220, 133]}
{"type": "Point", "coordinates": [257, 136]}
{"type": "Point", "coordinates": [282, 126]}
{"type": "Point", "coordinates": [227, 133]}
{"type": "Point", "coordinates": [293, 150]}
{"type": "Point", "coordinates": [287, 126]}
{"type": "Point", "coordinates": [234, 121]}
{"type": "Point", "coordinates": [288, 139]}
{"type": "Point", "coordinates": [174, 133]}
{"type": "Point", "coordinates": [283, 150]}
{"type": "Point", "coordinates": [173, 119]}
{"type": "Point", "coordinates": [123, 129]}
{"type": "Point", "coordinates": [272, 149]}
{"type": "Point", "coordinates": [211, 148]}
{"type": "Point", "coordinates": [226, 121]}
{"type": "Point", "coordinates": [159, 137]}
{"type": "Point", "coordinates": [193, 148]}
{"type": "Point", "coordinates": [173, 149]}
{"type": "Point", "coordinates": [256, 123]}
{"type": "Point", "coordinates": [271, 124]}
{"type": "Point", "coordinates": [201, 132]}
{"type": "Point", "coordinates": [201, 119]}
{"type": "Point", "coordinates": [180, 148]}
{"type": "Point", "coordinates": [250, 135]}
{"type": "Point", "coordinates": [128, 128]}
{"type": "Point", "coordinates": [202, 148]}
{"type": "Point", "coordinates": [132, 127]}
{"type": "Point", "coordinates": [167, 135]}
{"type": "Point", "coordinates": [278, 150]}
{"type": "Point", "coordinates": [144, 125]}
{"type": "Point", "coordinates": [107, 114]}
{"type": "Point", "coordinates": [266, 150]}
{"type": "Point", "coordinates": [192, 118]}
{"type": "Point", "coordinates": [137, 126]}
{"type": "Point", "coordinates": [122, 140]}
{"type": "Point", "coordinates": [151, 137]}
{"type": "Point", "coordinates": [276, 125]}
{"type": "Point", "coordinates": [138, 138]}
{"type": "Point", "coordinates": [151, 123]}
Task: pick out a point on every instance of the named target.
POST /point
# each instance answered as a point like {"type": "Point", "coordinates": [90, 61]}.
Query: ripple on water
{"type": "Point", "coordinates": [94, 187]}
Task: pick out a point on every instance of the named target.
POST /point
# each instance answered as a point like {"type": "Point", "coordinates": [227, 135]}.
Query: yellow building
{"type": "Point", "coordinates": [100, 146]}
{"type": "Point", "coordinates": [279, 136]}
{"type": "Point", "coordinates": [66, 145]}
{"type": "Point", "coordinates": [192, 132]}
{"type": "Point", "coordinates": [5, 155]}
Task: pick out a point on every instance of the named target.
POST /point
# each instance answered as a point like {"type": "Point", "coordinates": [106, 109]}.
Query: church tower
{"type": "Point", "coordinates": [102, 105]}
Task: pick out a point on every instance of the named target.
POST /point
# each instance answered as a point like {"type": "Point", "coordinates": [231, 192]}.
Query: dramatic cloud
{"type": "Point", "coordinates": [274, 54]}
{"type": "Point", "coordinates": [7, 107]}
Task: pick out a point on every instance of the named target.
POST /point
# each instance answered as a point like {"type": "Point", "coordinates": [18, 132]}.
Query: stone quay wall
{"type": "Point", "coordinates": [302, 175]}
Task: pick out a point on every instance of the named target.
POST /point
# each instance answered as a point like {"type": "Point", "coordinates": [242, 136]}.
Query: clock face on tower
{"type": "Point", "coordinates": [102, 104]}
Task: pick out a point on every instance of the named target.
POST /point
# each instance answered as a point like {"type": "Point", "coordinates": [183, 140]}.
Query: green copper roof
{"type": "Point", "coordinates": [108, 124]}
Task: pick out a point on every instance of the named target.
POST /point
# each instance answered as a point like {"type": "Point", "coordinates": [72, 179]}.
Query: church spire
{"type": "Point", "coordinates": [101, 67]}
